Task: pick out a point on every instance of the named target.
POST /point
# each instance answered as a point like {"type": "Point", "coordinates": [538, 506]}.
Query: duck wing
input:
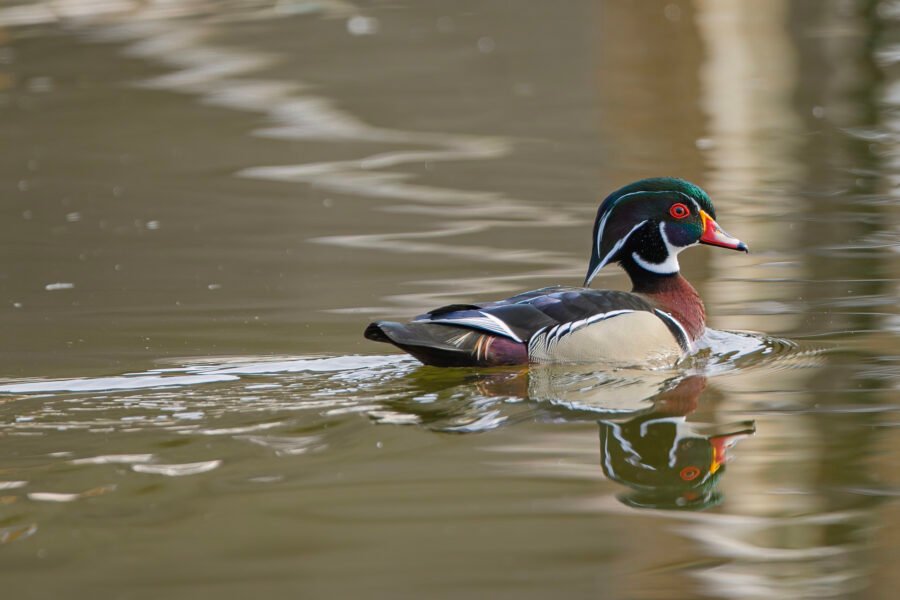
{"type": "Point", "coordinates": [521, 317]}
{"type": "Point", "coordinates": [532, 324]}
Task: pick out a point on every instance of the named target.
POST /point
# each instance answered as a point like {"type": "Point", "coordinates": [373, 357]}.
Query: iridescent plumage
{"type": "Point", "coordinates": [642, 226]}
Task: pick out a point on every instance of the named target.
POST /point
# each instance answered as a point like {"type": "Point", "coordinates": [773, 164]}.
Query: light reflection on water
{"type": "Point", "coordinates": [317, 159]}
{"type": "Point", "coordinates": [339, 384]}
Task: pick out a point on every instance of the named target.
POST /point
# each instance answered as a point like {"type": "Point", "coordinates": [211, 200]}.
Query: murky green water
{"type": "Point", "coordinates": [203, 207]}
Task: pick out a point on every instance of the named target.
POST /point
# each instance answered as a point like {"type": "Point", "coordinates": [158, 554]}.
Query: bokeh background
{"type": "Point", "coordinates": [203, 203]}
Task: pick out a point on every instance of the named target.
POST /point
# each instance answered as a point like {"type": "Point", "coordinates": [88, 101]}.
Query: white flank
{"type": "Point", "coordinates": [553, 335]}
{"type": "Point", "coordinates": [666, 316]}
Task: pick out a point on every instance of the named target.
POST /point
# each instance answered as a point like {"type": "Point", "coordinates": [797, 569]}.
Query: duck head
{"type": "Point", "coordinates": [667, 461]}
{"type": "Point", "coordinates": [644, 225]}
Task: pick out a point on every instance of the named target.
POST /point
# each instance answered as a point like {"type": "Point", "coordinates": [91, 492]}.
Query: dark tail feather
{"type": "Point", "coordinates": [448, 346]}
{"type": "Point", "coordinates": [429, 343]}
{"type": "Point", "coordinates": [373, 332]}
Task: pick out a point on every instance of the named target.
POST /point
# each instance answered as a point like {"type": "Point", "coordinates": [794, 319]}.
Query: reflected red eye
{"type": "Point", "coordinates": [689, 473]}
{"type": "Point", "coordinates": [679, 211]}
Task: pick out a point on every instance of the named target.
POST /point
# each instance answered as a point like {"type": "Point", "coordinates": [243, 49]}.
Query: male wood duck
{"type": "Point", "coordinates": [642, 227]}
{"type": "Point", "coordinates": [668, 462]}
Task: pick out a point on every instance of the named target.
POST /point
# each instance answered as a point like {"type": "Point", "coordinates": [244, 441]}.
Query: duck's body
{"type": "Point", "coordinates": [555, 324]}
{"type": "Point", "coordinates": [642, 227]}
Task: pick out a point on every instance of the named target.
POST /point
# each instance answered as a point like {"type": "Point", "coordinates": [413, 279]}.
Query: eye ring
{"type": "Point", "coordinates": [679, 211]}
{"type": "Point", "coordinates": [689, 473]}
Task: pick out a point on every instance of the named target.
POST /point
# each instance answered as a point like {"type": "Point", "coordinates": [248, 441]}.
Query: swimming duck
{"type": "Point", "coordinates": [642, 227]}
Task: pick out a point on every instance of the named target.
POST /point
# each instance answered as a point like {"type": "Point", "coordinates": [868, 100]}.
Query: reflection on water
{"type": "Point", "coordinates": [669, 462]}
{"type": "Point", "coordinates": [188, 182]}
{"type": "Point", "coordinates": [650, 440]}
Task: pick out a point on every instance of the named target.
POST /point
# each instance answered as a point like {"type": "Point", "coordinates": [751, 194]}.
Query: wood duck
{"type": "Point", "coordinates": [642, 227]}
{"type": "Point", "coordinates": [668, 462]}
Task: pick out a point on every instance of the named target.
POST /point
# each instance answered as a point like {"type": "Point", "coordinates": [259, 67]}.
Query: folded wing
{"type": "Point", "coordinates": [550, 324]}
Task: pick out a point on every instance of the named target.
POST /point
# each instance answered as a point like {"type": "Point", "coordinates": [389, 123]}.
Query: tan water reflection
{"type": "Point", "coordinates": [188, 182]}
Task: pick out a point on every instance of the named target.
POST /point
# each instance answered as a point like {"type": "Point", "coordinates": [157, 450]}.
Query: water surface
{"type": "Point", "coordinates": [203, 208]}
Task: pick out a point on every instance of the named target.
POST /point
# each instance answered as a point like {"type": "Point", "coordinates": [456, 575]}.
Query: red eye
{"type": "Point", "coordinates": [689, 473]}
{"type": "Point", "coordinates": [679, 211]}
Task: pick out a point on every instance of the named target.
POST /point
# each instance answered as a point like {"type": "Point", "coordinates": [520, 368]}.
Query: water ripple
{"type": "Point", "coordinates": [221, 76]}
{"type": "Point", "coordinates": [179, 470]}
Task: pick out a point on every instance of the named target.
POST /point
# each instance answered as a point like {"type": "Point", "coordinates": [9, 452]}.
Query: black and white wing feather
{"type": "Point", "coordinates": [551, 314]}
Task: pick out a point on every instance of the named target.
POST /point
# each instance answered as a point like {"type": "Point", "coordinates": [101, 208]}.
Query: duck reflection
{"type": "Point", "coordinates": [647, 441]}
{"type": "Point", "coordinates": [668, 462]}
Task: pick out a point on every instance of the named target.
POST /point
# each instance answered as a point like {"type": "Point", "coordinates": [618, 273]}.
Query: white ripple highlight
{"type": "Point", "coordinates": [12, 485]}
{"type": "Point", "coordinates": [114, 459]}
{"type": "Point", "coordinates": [231, 370]}
{"type": "Point", "coordinates": [53, 497]}
{"type": "Point", "coordinates": [102, 384]}
{"type": "Point", "coordinates": [178, 470]}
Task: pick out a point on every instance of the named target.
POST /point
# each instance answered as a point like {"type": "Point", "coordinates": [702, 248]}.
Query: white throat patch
{"type": "Point", "coordinates": [670, 265]}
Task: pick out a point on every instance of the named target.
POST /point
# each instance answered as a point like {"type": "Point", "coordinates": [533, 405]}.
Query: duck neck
{"type": "Point", "coordinates": [670, 292]}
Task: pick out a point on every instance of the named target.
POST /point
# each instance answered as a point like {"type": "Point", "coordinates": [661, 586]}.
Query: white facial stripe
{"type": "Point", "coordinates": [616, 203]}
{"type": "Point", "coordinates": [683, 431]}
{"type": "Point", "coordinates": [612, 252]}
{"type": "Point", "coordinates": [664, 268]}
{"type": "Point", "coordinates": [602, 226]}
{"type": "Point", "coordinates": [626, 446]}
{"type": "Point", "coordinates": [670, 264]}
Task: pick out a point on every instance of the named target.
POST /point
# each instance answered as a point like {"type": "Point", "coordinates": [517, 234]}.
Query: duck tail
{"type": "Point", "coordinates": [448, 346]}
